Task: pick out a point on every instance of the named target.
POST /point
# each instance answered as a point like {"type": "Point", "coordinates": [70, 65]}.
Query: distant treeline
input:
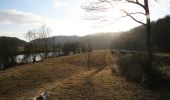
{"type": "Point", "coordinates": [135, 39]}
{"type": "Point", "coordinates": [98, 40]}
{"type": "Point", "coordinates": [9, 50]}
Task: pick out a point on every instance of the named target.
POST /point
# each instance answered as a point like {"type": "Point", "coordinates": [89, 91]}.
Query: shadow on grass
{"type": "Point", "coordinates": [132, 69]}
{"type": "Point", "coordinates": [87, 90]}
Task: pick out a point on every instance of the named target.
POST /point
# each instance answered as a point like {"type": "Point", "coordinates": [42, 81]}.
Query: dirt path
{"type": "Point", "coordinates": [76, 87]}
{"type": "Point", "coordinates": [98, 85]}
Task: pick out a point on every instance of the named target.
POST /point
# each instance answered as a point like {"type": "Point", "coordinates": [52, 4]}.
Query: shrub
{"type": "Point", "coordinates": [132, 66]}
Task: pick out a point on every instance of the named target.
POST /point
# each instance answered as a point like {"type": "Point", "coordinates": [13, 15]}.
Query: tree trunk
{"type": "Point", "coordinates": [88, 60]}
{"type": "Point", "coordinates": [148, 38]}
{"type": "Point", "coordinates": [147, 78]}
{"type": "Point", "coordinates": [34, 58]}
{"type": "Point", "coordinates": [149, 49]}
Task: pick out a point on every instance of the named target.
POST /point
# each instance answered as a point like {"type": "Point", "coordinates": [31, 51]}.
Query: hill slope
{"type": "Point", "coordinates": [135, 39]}
{"type": "Point", "coordinates": [98, 40]}
{"type": "Point", "coordinates": [12, 41]}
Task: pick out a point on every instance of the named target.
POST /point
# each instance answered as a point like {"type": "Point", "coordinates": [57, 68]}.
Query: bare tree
{"type": "Point", "coordinates": [103, 5]}
{"type": "Point", "coordinates": [43, 34]}
{"type": "Point", "coordinates": [59, 47]}
{"type": "Point", "coordinates": [38, 42]}
{"type": "Point", "coordinates": [33, 46]}
{"type": "Point", "coordinates": [53, 46]}
{"type": "Point", "coordinates": [88, 54]}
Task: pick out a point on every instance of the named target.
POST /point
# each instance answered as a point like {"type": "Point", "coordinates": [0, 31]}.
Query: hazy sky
{"type": "Point", "coordinates": [64, 17]}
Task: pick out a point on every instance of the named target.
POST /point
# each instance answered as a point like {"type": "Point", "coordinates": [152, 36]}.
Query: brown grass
{"type": "Point", "coordinates": [67, 78]}
{"type": "Point", "coordinates": [29, 80]}
{"type": "Point", "coordinates": [100, 58]}
{"type": "Point", "coordinates": [99, 85]}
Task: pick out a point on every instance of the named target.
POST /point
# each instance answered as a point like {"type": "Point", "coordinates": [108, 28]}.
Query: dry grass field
{"type": "Point", "coordinates": [67, 78]}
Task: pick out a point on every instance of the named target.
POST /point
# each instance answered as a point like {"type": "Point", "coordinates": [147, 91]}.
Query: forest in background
{"type": "Point", "coordinates": [134, 39]}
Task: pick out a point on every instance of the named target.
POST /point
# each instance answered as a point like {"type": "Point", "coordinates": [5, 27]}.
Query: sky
{"type": "Point", "coordinates": [66, 17]}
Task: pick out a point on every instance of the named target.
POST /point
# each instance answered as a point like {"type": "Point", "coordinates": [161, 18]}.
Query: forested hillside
{"type": "Point", "coordinates": [98, 40]}
{"type": "Point", "coordinates": [9, 49]}
{"type": "Point", "coordinates": [135, 38]}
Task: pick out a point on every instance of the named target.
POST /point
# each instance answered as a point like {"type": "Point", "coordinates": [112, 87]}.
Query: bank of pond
{"type": "Point", "coordinates": [21, 59]}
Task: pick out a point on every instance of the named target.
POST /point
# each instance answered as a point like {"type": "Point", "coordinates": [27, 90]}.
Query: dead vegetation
{"type": "Point", "coordinates": [68, 78]}
{"type": "Point", "coordinates": [98, 85]}
{"type": "Point", "coordinates": [29, 80]}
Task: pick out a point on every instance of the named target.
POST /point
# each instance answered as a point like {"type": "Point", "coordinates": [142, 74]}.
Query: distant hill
{"type": "Point", "coordinates": [9, 46]}
{"type": "Point", "coordinates": [135, 39]}
{"type": "Point", "coordinates": [98, 40]}
{"type": "Point", "coordinates": [6, 41]}
{"type": "Point", "coordinates": [8, 50]}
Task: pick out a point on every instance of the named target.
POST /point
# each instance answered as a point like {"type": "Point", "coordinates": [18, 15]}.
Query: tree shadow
{"type": "Point", "coordinates": [95, 72]}
{"type": "Point", "coordinates": [88, 90]}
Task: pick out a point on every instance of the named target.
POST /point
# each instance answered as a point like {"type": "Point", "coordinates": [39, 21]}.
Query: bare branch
{"type": "Point", "coordinates": [102, 5]}
{"type": "Point", "coordinates": [128, 14]}
{"type": "Point", "coordinates": [136, 2]}
{"type": "Point", "coordinates": [137, 13]}
{"type": "Point", "coordinates": [99, 5]}
{"type": "Point", "coordinates": [116, 20]}
{"type": "Point", "coordinates": [109, 2]}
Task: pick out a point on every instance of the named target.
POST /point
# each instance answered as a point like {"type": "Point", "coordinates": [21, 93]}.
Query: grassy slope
{"type": "Point", "coordinates": [68, 78]}
{"type": "Point", "coordinates": [31, 79]}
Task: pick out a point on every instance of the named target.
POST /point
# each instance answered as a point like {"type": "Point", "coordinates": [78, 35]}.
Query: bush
{"type": "Point", "coordinates": [135, 68]}
{"type": "Point", "coordinates": [132, 66]}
